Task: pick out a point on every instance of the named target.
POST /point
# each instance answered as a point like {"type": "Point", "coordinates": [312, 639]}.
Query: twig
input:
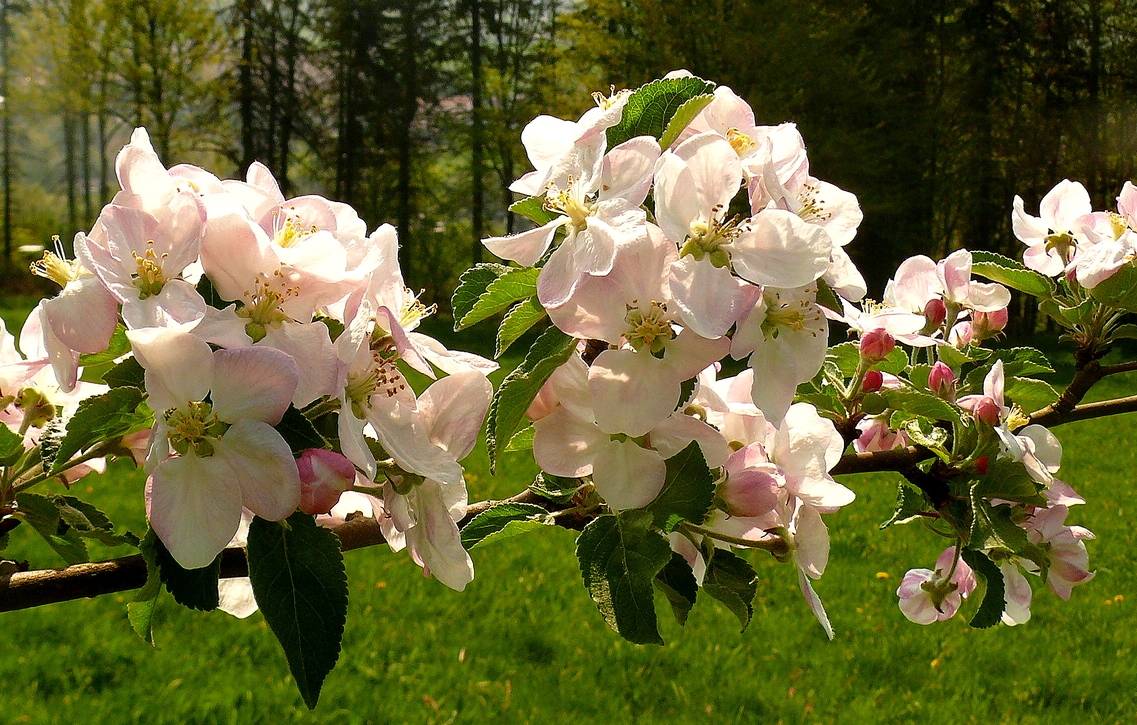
{"type": "Point", "coordinates": [1050, 417]}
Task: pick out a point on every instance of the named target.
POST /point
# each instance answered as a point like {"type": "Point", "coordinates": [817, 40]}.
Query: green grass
{"type": "Point", "coordinates": [524, 643]}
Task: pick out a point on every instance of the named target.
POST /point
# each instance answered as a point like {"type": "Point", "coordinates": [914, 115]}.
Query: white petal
{"type": "Point", "coordinates": [565, 445]}
{"type": "Point", "coordinates": [435, 541]}
{"type": "Point", "coordinates": [632, 392]}
{"type": "Point", "coordinates": [311, 348]}
{"type": "Point", "coordinates": [179, 366]}
{"type": "Point", "coordinates": [780, 250]}
{"type": "Point", "coordinates": [453, 409]}
{"type": "Point", "coordinates": [627, 476]}
{"type": "Point", "coordinates": [194, 505]}
{"type": "Point", "coordinates": [708, 299]}
{"type": "Point", "coordinates": [527, 247]}
{"type": "Point", "coordinates": [237, 598]}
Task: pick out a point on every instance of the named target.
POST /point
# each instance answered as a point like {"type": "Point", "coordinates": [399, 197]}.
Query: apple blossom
{"type": "Point", "coordinates": [1051, 237]}
{"type": "Point", "coordinates": [928, 596]}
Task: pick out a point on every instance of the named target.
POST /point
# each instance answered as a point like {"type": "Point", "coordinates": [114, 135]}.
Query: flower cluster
{"type": "Point", "coordinates": [241, 306]}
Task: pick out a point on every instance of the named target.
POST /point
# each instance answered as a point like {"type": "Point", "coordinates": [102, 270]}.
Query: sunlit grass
{"type": "Point", "coordinates": [524, 643]}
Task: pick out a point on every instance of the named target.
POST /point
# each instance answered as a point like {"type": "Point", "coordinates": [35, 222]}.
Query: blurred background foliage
{"type": "Point", "coordinates": [934, 112]}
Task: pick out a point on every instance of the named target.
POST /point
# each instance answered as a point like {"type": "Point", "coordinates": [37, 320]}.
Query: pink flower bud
{"type": "Point", "coordinates": [961, 335]}
{"type": "Point", "coordinates": [876, 344]}
{"type": "Point", "coordinates": [324, 475]}
{"type": "Point", "coordinates": [752, 483]}
{"type": "Point", "coordinates": [987, 324]}
{"type": "Point", "coordinates": [987, 411]}
{"type": "Point", "coordinates": [874, 379]}
{"type": "Point", "coordinates": [935, 312]}
{"type": "Point", "coordinates": [941, 381]}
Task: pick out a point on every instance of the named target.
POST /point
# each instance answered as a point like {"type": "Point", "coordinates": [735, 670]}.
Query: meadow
{"type": "Point", "coordinates": [525, 644]}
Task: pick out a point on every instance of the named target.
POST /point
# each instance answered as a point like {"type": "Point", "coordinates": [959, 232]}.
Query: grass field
{"type": "Point", "coordinates": [524, 643]}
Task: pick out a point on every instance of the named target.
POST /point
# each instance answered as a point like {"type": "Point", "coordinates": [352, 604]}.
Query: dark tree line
{"type": "Point", "coordinates": [935, 112]}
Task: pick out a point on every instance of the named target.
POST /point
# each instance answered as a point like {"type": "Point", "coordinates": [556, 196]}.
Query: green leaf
{"type": "Point", "coordinates": [507, 409]}
{"type": "Point", "coordinates": [300, 583]}
{"type": "Point", "coordinates": [826, 297]}
{"type": "Point", "coordinates": [127, 374]}
{"type": "Point", "coordinates": [522, 440]}
{"type": "Point", "coordinates": [517, 284]}
{"type": "Point", "coordinates": [677, 582]}
{"type": "Point", "coordinates": [1119, 290]}
{"type": "Point", "coordinates": [1007, 479]}
{"type": "Point", "coordinates": [209, 293]}
{"type": "Point", "coordinates": [116, 348]}
{"type": "Point", "coordinates": [533, 209]}
{"type": "Point", "coordinates": [89, 522]}
{"type": "Point", "coordinates": [688, 490]}
{"type": "Point", "coordinates": [1029, 393]}
{"type": "Point", "coordinates": [471, 286]}
{"type": "Point", "coordinates": [917, 403]}
{"type": "Point", "coordinates": [516, 322]}
{"type": "Point", "coordinates": [193, 588]}
{"type": "Point", "coordinates": [42, 514]}
{"type": "Point", "coordinates": [49, 441]}
{"type": "Point", "coordinates": [1124, 332]}
{"type": "Point", "coordinates": [115, 413]}
{"type": "Point", "coordinates": [651, 108]}
{"type": "Point", "coordinates": [683, 117]}
{"type": "Point", "coordinates": [1007, 271]}
{"type": "Point", "coordinates": [620, 556]}
{"type": "Point", "coordinates": [990, 612]}
{"type": "Point", "coordinates": [11, 446]}
{"type": "Point", "coordinates": [910, 502]}
{"type": "Point", "coordinates": [731, 580]}
{"type": "Point", "coordinates": [955, 359]}
{"type": "Point", "coordinates": [921, 432]}
{"type": "Point", "coordinates": [503, 521]}
{"type": "Point", "coordinates": [295, 428]}
{"type": "Point", "coordinates": [141, 609]}
{"type": "Point", "coordinates": [895, 363]}
{"type": "Point", "coordinates": [993, 528]}
{"type": "Point", "coordinates": [846, 356]}
{"type": "Point", "coordinates": [555, 488]}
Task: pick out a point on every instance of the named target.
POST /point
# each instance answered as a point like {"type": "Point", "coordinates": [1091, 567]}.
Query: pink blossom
{"type": "Point", "coordinates": [928, 596]}
{"type": "Point", "coordinates": [324, 475]}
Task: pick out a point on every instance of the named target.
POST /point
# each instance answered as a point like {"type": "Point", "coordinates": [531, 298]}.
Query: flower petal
{"type": "Point", "coordinates": [194, 505]}
{"type": "Point", "coordinates": [253, 382]}
{"type": "Point", "coordinates": [265, 468]}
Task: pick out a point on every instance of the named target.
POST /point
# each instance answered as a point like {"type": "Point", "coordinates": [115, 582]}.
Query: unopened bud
{"type": "Point", "coordinates": [987, 411]}
{"type": "Point", "coordinates": [981, 465]}
{"type": "Point", "coordinates": [874, 379]}
{"type": "Point", "coordinates": [935, 312]}
{"type": "Point", "coordinates": [876, 345]}
{"type": "Point", "coordinates": [961, 335]}
{"type": "Point", "coordinates": [987, 324]}
{"type": "Point", "coordinates": [941, 381]}
{"type": "Point", "coordinates": [324, 475]}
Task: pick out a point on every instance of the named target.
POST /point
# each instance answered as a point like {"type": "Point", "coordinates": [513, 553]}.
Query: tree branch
{"type": "Point", "coordinates": [1050, 417]}
{"type": "Point", "coordinates": [26, 589]}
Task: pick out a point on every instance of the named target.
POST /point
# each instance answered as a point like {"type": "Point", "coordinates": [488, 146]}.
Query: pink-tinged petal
{"type": "Point", "coordinates": [780, 250]}
{"type": "Point", "coordinates": [234, 251]}
{"type": "Point", "coordinates": [253, 382]}
{"type": "Point", "coordinates": [632, 392]}
{"type": "Point", "coordinates": [676, 201]}
{"type": "Point", "coordinates": [259, 176]}
{"type": "Point", "coordinates": [1027, 228]}
{"type": "Point", "coordinates": [435, 542]}
{"type": "Point", "coordinates": [1017, 595]}
{"type": "Point", "coordinates": [388, 321]}
{"type": "Point", "coordinates": [1060, 493]}
{"type": "Point", "coordinates": [955, 274]}
{"type": "Point", "coordinates": [353, 444]}
{"type": "Point", "coordinates": [595, 310]}
{"type": "Point", "coordinates": [1101, 262]}
{"type": "Point", "coordinates": [725, 112]}
{"type": "Point", "coordinates": [569, 386]}
{"type": "Point", "coordinates": [814, 603]}
{"type": "Point", "coordinates": [811, 541]}
{"type": "Point", "coordinates": [806, 445]}
{"type": "Point", "coordinates": [842, 213]}
{"type": "Point", "coordinates": [916, 283]}
{"type": "Point", "coordinates": [194, 505]}
{"type": "Point", "coordinates": [1063, 204]}
{"type": "Point", "coordinates": [236, 597]}
{"type": "Point", "coordinates": [179, 366]}
{"type": "Point", "coordinates": [1127, 203]}
{"type": "Point", "coordinates": [565, 445]}
{"type": "Point", "coordinates": [177, 240]}
{"type": "Point", "coordinates": [988, 297]}
{"type": "Point", "coordinates": [1043, 260]}
{"type": "Point", "coordinates": [324, 476]}
{"type": "Point", "coordinates": [715, 170]}
{"type": "Point", "coordinates": [676, 433]}
{"type": "Point", "coordinates": [178, 305]}
{"type": "Point", "coordinates": [844, 277]}
{"type": "Point", "coordinates": [627, 476]}
{"type": "Point", "coordinates": [708, 299]}
{"type": "Point", "coordinates": [527, 247]}
{"type": "Point", "coordinates": [84, 315]}
{"type": "Point", "coordinates": [403, 435]}
{"type": "Point", "coordinates": [628, 168]}
{"type": "Point", "coordinates": [223, 328]}
{"type": "Point", "coordinates": [994, 383]}
{"type": "Point", "coordinates": [689, 353]}
{"type": "Point", "coordinates": [266, 471]}
{"type": "Point", "coordinates": [310, 346]}
{"type": "Point", "coordinates": [453, 409]}
{"type": "Point", "coordinates": [451, 362]}
{"type": "Point", "coordinates": [38, 342]}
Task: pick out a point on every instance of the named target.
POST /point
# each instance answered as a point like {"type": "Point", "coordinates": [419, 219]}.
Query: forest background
{"type": "Point", "coordinates": [934, 112]}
